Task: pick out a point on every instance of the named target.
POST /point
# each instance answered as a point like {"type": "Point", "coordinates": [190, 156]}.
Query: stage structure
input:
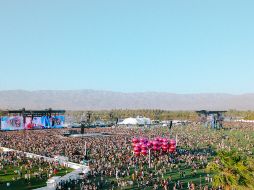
{"type": "Point", "coordinates": [86, 123]}
{"type": "Point", "coordinates": [32, 119]}
{"type": "Point", "coordinates": [214, 119]}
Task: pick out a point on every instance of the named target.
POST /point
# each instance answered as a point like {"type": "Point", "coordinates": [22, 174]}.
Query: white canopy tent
{"type": "Point", "coordinates": [135, 121]}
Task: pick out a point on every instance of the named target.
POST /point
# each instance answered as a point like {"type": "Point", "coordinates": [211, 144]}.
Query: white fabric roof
{"type": "Point", "coordinates": [136, 121]}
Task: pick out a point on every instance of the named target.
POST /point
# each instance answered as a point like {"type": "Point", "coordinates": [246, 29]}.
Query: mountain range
{"type": "Point", "coordinates": [105, 100]}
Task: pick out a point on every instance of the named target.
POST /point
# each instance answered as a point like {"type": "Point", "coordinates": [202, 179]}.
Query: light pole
{"type": "Point", "coordinates": [200, 182]}
{"type": "Point", "coordinates": [85, 148]}
{"type": "Point", "coordinates": [24, 125]}
{"type": "Point", "coordinates": [149, 152]}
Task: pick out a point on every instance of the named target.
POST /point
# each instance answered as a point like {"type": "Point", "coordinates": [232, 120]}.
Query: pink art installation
{"type": "Point", "coordinates": [159, 144]}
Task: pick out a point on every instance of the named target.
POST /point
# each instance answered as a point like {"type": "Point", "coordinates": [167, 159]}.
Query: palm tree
{"type": "Point", "coordinates": [232, 171]}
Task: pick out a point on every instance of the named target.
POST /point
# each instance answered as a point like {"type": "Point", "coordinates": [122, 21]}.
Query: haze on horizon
{"type": "Point", "coordinates": [128, 46]}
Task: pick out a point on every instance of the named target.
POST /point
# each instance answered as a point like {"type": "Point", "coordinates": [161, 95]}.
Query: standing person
{"type": "Point", "coordinates": [170, 124]}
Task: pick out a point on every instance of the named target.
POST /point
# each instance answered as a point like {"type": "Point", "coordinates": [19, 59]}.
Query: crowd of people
{"type": "Point", "coordinates": [114, 166]}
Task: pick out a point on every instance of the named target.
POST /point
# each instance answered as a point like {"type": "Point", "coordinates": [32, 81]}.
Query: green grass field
{"type": "Point", "coordinates": [21, 184]}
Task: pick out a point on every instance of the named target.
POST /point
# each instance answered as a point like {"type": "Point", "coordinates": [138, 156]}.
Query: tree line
{"type": "Point", "coordinates": [107, 115]}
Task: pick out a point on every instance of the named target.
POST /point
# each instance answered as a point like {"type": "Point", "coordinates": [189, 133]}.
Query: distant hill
{"type": "Point", "coordinates": [97, 100]}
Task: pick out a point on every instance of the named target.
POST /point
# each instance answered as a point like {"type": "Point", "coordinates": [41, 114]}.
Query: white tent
{"type": "Point", "coordinates": [136, 121]}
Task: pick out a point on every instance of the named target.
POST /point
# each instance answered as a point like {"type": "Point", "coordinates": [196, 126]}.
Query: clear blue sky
{"type": "Point", "coordinates": [179, 46]}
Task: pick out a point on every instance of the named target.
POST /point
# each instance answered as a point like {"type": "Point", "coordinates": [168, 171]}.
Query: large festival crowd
{"type": "Point", "coordinates": [113, 164]}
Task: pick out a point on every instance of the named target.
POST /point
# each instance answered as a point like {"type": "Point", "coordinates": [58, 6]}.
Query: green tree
{"type": "Point", "coordinates": [232, 170]}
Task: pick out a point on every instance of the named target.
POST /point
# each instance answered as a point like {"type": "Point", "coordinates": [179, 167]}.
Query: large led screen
{"type": "Point", "coordinates": [12, 123]}
{"type": "Point", "coordinates": [44, 122]}
{"type": "Point", "coordinates": [57, 121]}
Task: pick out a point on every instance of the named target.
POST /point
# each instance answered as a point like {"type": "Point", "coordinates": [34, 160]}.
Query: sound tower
{"type": "Point", "coordinates": [82, 128]}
